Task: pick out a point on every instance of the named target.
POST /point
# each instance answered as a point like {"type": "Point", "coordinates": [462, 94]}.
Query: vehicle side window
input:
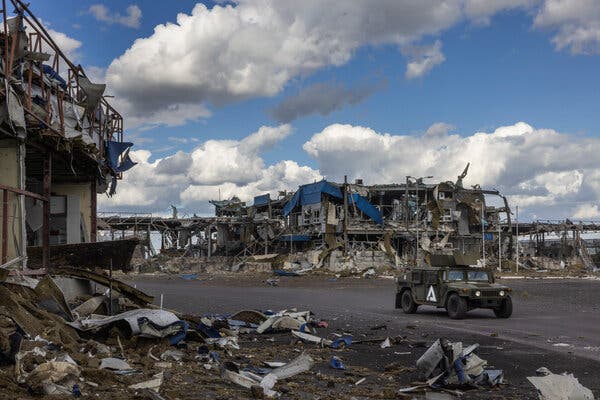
{"type": "Point", "coordinates": [456, 276]}
{"type": "Point", "coordinates": [432, 276]}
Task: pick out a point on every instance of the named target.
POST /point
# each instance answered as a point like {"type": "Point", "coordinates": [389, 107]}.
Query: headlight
{"type": "Point", "coordinates": [502, 293]}
{"type": "Point", "coordinates": [477, 293]}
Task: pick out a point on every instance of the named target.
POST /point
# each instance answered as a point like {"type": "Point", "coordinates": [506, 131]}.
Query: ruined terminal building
{"type": "Point", "coordinates": [61, 144]}
{"type": "Point", "coordinates": [339, 226]}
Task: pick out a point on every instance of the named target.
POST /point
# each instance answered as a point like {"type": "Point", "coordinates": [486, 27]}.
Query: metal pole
{"type": "Point", "coordinates": [46, 212]}
{"type": "Point", "coordinates": [209, 241]}
{"type": "Point", "coordinates": [417, 252]}
{"type": "Point", "coordinates": [517, 223]}
{"type": "Point", "coordinates": [406, 203]}
{"type": "Point", "coordinates": [345, 214]}
{"type": "Point", "coordinates": [499, 245]}
{"type": "Point", "coordinates": [93, 212]}
{"type": "Point", "coordinates": [4, 226]}
{"type": "Point", "coordinates": [482, 234]}
{"type": "Point", "coordinates": [110, 289]}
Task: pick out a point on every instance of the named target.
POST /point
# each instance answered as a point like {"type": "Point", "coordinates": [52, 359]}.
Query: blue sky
{"type": "Point", "coordinates": [498, 63]}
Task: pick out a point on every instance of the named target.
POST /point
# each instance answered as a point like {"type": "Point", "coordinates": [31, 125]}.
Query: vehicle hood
{"type": "Point", "coordinates": [477, 285]}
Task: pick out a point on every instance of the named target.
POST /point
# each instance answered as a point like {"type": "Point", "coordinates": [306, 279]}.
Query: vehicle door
{"type": "Point", "coordinates": [432, 286]}
{"type": "Point", "coordinates": [418, 288]}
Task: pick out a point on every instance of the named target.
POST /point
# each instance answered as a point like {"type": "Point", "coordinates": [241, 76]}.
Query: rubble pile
{"type": "Point", "coordinates": [72, 336]}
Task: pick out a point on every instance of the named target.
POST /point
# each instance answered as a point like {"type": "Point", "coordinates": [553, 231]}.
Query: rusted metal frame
{"type": "Point", "coordinates": [60, 94]}
{"type": "Point", "coordinates": [23, 192]}
{"type": "Point", "coordinates": [94, 215]}
{"type": "Point", "coordinates": [35, 44]}
{"type": "Point", "coordinates": [5, 36]}
{"type": "Point", "coordinates": [46, 214]}
{"type": "Point", "coordinates": [36, 25]}
{"type": "Point", "coordinates": [13, 45]}
{"type": "Point", "coordinates": [4, 226]}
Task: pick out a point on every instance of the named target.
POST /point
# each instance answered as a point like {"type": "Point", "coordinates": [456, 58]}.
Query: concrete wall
{"type": "Point", "coordinates": [83, 191]}
{"type": "Point", "coordinates": [9, 176]}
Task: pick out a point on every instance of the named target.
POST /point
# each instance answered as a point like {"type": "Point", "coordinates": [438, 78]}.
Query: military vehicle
{"type": "Point", "coordinates": [455, 287]}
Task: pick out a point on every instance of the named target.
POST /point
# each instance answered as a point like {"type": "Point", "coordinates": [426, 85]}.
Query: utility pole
{"type": "Point", "coordinates": [499, 245]}
{"type": "Point", "coordinates": [418, 222]}
{"type": "Point", "coordinates": [517, 223]}
{"type": "Point", "coordinates": [406, 202]}
{"type": "Point", "coordinates": [345, 214]}
{"type": "Point", "coordinates": [483, 232]}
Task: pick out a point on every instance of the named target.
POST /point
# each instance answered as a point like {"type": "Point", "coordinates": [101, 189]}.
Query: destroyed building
{"type": "Point", "coordinates": [61, 144]}
{"type": "Point", "coordinates": [342, 225]}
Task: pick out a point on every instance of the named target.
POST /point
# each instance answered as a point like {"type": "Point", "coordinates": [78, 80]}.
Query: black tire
{"type": "Point", "coordinates": [456, 306]}
{"type": "Point", "coordinates": [408, 304]}
{"type": "Point", "coordinates": [505, 309]}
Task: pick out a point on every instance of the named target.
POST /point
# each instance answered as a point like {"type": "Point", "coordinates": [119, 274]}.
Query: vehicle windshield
{"type": "Point", "coordinates": [456, 276]}
{"type": "Point", "coordinates": [477, 276]}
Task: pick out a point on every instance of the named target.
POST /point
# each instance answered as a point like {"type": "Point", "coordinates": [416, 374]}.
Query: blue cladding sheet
{"type": "Point", "coordinates": [262, 200]}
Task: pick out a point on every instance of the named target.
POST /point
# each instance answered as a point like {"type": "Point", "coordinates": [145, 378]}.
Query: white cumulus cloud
{"type": "Point", "coordinates": [541, 169]}
{"type": "Point", "coordinates": [577, 23]}
{"type": "Point", "coordinates": [131, 19]}
{"type": "Point", "coordinates": [215, 167]}
{"type": "Point", "coordinates": [423, 59]}
{"type": "Point", "coordinates": [253, 48]}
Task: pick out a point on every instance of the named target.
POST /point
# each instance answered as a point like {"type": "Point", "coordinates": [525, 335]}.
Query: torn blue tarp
{"type": "Point", "coordinates": [281, 272]}
{"type": "Point", "coordinates": [208, 331]}
{"type": "Point", "coordinates": [344, 341]}
{"type": "Point", "coordinates": [294, 238]}
{"type": "Point", "coordinates": [336, 363]}
{"type": "Point", "coordinates": [262, 200]}
{"type": "Point", "coordinates": [53, 75]}
{"type": "Point", "coordinates": [312, 193]}
{"type": "Point", "coordinates": [178, 337]}
{"type": "Point", "coordinates": [114, 150]}
{"type": "Point", "coordinates": [367, 208]}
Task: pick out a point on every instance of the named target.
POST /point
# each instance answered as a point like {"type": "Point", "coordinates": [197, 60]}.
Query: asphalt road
{"type": "Point", "coordinates": [560, 316]}
{"type": "Point", "coordinates": [555, 323]}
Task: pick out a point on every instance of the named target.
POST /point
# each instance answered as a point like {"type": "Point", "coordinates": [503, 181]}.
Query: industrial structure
{"type": "Point", "coordinates": [329, 223]}
{"type": "Point", "coordinates": [61, 143]}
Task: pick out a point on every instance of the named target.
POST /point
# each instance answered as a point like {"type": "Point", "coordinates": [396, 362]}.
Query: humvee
{"type": "Point", "coordinates": [457, 288]}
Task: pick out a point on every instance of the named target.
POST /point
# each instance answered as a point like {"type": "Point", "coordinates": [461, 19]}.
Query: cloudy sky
{"type": "Point", "coordinates": [245, 97]}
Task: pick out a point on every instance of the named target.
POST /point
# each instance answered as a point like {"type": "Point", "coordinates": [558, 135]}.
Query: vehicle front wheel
{"type": "Point", "coordinates": [408, 304]}
{"type": "Point", "coordinates": [457, 306]}
{"type": "Point", "coordinates": [505, 309]}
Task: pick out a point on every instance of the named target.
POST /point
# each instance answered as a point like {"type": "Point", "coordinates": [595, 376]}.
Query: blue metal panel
{"type": "Point", "coordinates": [114, 151]}
{"type": "Point", "coordinates": [262, 200]}
{"type": "Point", "coordinates": [366, 207]}
{"type": "Point", "coordinates": [294, 238]}
{"type": "Point", "coordinates": [311, 194]}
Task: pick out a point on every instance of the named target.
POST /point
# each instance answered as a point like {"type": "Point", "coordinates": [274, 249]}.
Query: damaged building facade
{"type": "Point", "coordinates": [339, 226]}
{"type": "Point", "coordinates": [61, 144]}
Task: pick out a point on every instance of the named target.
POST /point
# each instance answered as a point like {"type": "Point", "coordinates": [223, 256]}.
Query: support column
{"type": "Point", "coordinates": [94, 215]}
{"type": "Point", "coordinates": [46, 217]}
{"type": "Point", "coordinates": [345, 215]}
{"type": "Point", "coordinates": [4, 226]}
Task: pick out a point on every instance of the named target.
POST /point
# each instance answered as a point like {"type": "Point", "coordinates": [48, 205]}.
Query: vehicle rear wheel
{"type": "Point", "coordinates": [456, 307]}
{"type": "Point", "coordinates": [408, 304]}
{"type": "Point", "coordinates": [505, 309]}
